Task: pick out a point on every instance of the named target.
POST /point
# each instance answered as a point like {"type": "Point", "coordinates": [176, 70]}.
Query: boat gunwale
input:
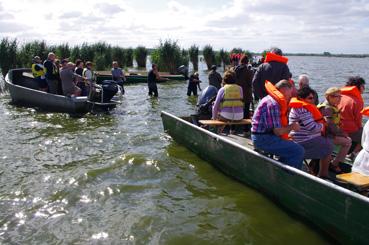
{"type": "Point", "coordinates": [275, 162]}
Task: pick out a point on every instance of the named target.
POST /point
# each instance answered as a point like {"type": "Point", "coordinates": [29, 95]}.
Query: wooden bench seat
{"type": "Point", "coordinates": [224, 123]}
{"type": "Point", "coordinates": [356, 179]}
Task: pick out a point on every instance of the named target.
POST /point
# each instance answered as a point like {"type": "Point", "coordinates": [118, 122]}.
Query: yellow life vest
{"type": "Point", "coordinates": [336, 118]}
{"type": "Point", "coordinates": [232, 96]}
{"type": "Point", "coordinates": [38, 73]}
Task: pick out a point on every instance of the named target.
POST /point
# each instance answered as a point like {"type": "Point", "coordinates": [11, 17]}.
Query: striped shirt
{"type": "Point", "coordinates": [267, 116]}
{"type": "Point", "coordinates": [309, 129]}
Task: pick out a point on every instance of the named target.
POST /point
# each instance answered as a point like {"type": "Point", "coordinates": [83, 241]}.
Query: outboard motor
{"type": "Point", "coordinates": [183, 70]}
{"type": "Point", "coordinates": [205, 102]}
{"type": "Point", "coordinates": [103, 92]}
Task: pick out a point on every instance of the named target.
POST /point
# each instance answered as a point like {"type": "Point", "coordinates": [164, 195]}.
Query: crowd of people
{"type": "Point", "coordinates": [67, 78]}
{"type": "Point", "coordinates": [289, 122]}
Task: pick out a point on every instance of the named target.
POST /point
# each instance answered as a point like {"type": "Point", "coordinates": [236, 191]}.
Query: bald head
{"type": "Point", "coordinates": [285, 87]}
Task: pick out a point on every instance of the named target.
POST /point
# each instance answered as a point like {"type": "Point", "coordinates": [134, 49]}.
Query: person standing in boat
{"type": "Point", "coordinates": [215, 79]}
{"type": "Point", "coordinates": [38, 71]}
{"type": "Point", "coordinates": [270, 129]}
{"type": "Point", "coordinates": [332, 116]}
{"type": "Point", "coordinates": [80, 82]}
{"type": "Point", "coordinates": [89, 75]}
{"type": "Point", "coordinates": [350, 106]}
{"type": "Point", "coordinates": [244, 77]}
{"type": "Point", "coordinates": [228, 104]}
{"type": "Point", "coordinates": [118, 75]}
{"type": "Point", "coordinates": [52, 76]}
{"type": "Point", "coordinates": [193, 84]}
{"type": "Point", "coordinates": [273, 69]}
{"type": "Point", "coordinates": [311, 134]}
{"type": "Point", "coordinates": [68, 79]}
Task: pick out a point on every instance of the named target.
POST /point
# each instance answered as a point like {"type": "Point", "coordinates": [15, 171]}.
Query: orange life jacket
{"type": "Point", "coordinates": [281, 100]}
{"type": "Point", "coordinates": [353, 91]}
{"type": "Point", "coordinates": [365, 111]}
{"type": "Point", "coordinates": [313, 109]}
{"type": "Point", "coordinates": [275, 57]}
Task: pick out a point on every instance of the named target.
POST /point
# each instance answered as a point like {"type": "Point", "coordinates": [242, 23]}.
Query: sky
{"type": "Point", "coordinates": [309, 26]}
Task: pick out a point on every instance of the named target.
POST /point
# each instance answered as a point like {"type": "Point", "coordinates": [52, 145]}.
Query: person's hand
{"type": "Point", "coordinates": [295, 126]}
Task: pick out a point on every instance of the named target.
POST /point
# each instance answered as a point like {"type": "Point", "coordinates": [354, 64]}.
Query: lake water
{"type": "Point", "coordinates": [118, 179]}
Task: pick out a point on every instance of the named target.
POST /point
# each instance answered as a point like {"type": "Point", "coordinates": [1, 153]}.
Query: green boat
{"type": "Point", "coordinates": [131, 78]}
{"type": "Point", "coordinates": [340, 212]}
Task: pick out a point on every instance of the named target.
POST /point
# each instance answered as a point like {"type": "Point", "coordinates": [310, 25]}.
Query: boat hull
{"type": "Point", "coordinates": [30, 97]}
{"type": "Point", "coordinates": [341, 213]}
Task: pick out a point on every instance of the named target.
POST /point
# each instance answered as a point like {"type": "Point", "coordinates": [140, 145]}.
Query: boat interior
{"type": "Point", "coordinates": [236, 133]}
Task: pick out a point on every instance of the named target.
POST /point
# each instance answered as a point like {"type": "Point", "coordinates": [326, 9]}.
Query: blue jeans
{"type": "Point", "coordinates": [289, 152]}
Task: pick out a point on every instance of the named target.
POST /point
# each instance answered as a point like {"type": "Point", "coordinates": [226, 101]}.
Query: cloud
{"type": "Point", "coordinates": [70, 15]}
{"type": "Point", "coordinates": [108, 9]}
{"type": "Point", "coordinates": [11, 27]}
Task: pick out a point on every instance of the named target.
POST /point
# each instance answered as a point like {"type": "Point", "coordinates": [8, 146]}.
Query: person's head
{"type": "Point", "coordinates": [115, 64]}
{"type": "Point", "coordinates": [64, 62]}
{"type": "Point", "coordinates": [244, 59]}
{"type": "Point", "coordinates": [303, 80]}
{"type": "Point", "coordinates": [36, 59]}
{"type": "Point", "coordinates": [154, 66]}
{"type": "Point", "coordinates": [79, 63]}
{"type": "Point", "coordinates": [213, 68]}
{"type": "Point", "coordinates": [51, 56]}
{"type": "Point", "coordinates": [70, 65]}
{"type": "Point", "coordinates": [89, 64]}
{"type": "Point", "coordinates": [333, 96]}
{"type": "Point", "coordinates": [357, 81]}
{"type": "Point", "coordinates": [285, 87]}
{"type": "Point", "coordinates": [306, 94]}
{"type": "Point", "coordinates": [196, 74]}
{"type": "Point", "coordinates": [229, 77]}
{"type": "Point", "coordinates": [276, 51]}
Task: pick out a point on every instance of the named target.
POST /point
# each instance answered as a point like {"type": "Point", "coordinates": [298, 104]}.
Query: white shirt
{"type": "Point", "coordinates": [361, 163]}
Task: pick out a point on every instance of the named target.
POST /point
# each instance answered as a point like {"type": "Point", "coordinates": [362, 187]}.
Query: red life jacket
{"type": "Point", "coordinates": [365, 111]}
{"type": "Point", "coordinates": [275, 57]}
{"type": "Point", "coordinates": [282, 102]}
{"type": "Point", "coordinates": [353, 91]}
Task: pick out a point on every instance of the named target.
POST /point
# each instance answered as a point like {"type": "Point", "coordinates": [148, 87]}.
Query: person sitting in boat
{"type": "Point", "coordinates": [304, 81]}
{"type": "Point", "coordinates": [228, 104]}
{"type": "Point", "coordinates": [332, 116]}
{"type": "Point", "coordinates": [350, 106]}
{"type": "Point", "coordinates": [205, 103]}
{"type": "Point", "coordinates": [273, 69]}
{"type": "Point", "coordinates": [68, 79]}
{"type": "Point", "coordinates": [51, 73]}
{"type": "Point", "coordinates": [269, 131]}
{"type": "Point", "coordinates": [118, 75]}
{"type": "Point", "coordinates": [312, 126]}
{"type": "Point", "coordinates": [193, 84]}
{"type": "Point", "coordinates": [38, 71]}
{"type": "Point", "coordinates": [361, 163]}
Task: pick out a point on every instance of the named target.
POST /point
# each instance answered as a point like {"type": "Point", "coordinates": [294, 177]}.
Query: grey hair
{"type": "Point", "coordinates": [276, 50]}
{"type": "Point", "coordinates": [303, 80]}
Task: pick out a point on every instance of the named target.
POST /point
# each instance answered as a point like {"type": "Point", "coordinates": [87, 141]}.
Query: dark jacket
{"type": "Point", "coordinates": [272, 71]}
{"type": "Point", "coordinates": [244, 77]}
{"type": "Point", "coordinates": [215, 79]}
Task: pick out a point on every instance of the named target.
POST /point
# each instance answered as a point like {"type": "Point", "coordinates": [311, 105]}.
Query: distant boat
{"type": "Point", "coordinates": [340, 212]}
{"type": "Point", "coordinates": [138, 78]}
{"type": "Point", "coordinates": [24, 91]}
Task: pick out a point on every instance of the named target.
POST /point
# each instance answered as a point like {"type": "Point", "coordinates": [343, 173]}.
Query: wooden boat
{"type": "Point", "coordinates": [138, 78]}
{"type": "Point", "coordinates": [340, 212]}
{"type": "Point", "coordinates": [24, 91]}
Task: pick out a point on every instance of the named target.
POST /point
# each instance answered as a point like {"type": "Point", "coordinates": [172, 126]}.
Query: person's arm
{"type": "Point", "coordinates": [358, 117]}
{"type": "Point", "coordinates": [198, 84]}
{"type": "Point", "coordinates": [256, 83]}
{"type": "Point", "coordinates": [123, 76]}
{"type": "Point", "coordinates": [286, 130]}
{"type": "Point", "coordinates": [216, 105]}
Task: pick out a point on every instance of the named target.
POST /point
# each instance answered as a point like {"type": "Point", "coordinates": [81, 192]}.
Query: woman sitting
{"type": "Point", "coordinates": [311, 122]}
{"type": "Point", "coordinates": [350, 106]}
{"type": "Point", "coordinates": [332, 116]}
{"type": "Point", "coordinates": [228, 104]}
